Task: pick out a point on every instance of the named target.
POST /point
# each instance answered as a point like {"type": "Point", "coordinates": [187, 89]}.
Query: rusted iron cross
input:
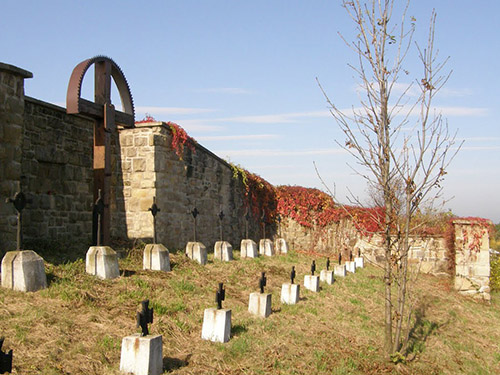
{"type": "Point", "coordinates": [106, 118]}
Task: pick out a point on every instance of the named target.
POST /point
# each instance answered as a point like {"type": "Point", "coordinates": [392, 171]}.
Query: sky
{"type": "Point", "coordinates": [240, 77]}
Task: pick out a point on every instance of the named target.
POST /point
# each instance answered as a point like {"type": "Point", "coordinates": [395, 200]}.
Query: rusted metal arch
{"type": "Point", "coordinates": [76, 104]}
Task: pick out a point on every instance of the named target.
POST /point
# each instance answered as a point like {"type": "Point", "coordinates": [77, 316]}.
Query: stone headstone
{"type": "Point", "coordinates": [311, 282]}
{"type": "Point", "coordinates": [223, 251]}
{"type": "Point", "coordinates": [340, 270]}
{"type": "Point", "coordinates": [23, 270]}
{"type": "Point", "coordinates": [350, 267]}
{"type": "Point", "coordinates": [142, 355]}
{"type": "Point", "coordinates": [327, 277]}
{"type": "Point", "coordinates": [249, 249]}
{"type": "Point", "coordinates": [102, 261]}
{"type": "Point", "coordinates": [359, 262]}
{"type": "Point", "coordinates": [260, 304]}
{"type": "Point", "coordinates": [280, 246]}
{"type": "Point", "coordinates": [290, 293]}
{"type": "Point", "coordinates": [156, 257]}
{"type": "Point", "coordinates": [266, 247]}
{"type": "Point", "coordinates": [216, 325]}
{"type": "Point", "coordinates": [197, 251]}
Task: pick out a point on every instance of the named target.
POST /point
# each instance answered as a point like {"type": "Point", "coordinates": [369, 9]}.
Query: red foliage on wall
{"type": "Point", "coordinates": [310, 207]}
{"type": "Point", "coordinates": [180, 139]}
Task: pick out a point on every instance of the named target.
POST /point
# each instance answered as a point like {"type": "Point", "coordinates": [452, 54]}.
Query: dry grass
{"type": "Point", "coordinates": [76, 325]}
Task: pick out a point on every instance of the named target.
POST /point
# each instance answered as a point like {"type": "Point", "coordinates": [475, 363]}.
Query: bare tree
{"type": "Point", "coordinates": [400, 142]}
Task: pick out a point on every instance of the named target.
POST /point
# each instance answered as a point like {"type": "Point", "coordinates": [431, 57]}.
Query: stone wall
{"type": "Point", "coordinates": [472, 258]}
{"type": "Point", "coordinates": [11, 128]}
{"type": "Point", "coordinates": [151, 168]}
{"type": "Point", "coordinates": [57, 171]}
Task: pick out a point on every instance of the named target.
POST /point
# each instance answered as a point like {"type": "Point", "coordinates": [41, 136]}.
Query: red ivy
{"type": "Point", "coordinates": [310, 207]}
{"type": "Point", "coordinates": [180, 139]}
{"type": "Point", "coordinates": [146, 119]}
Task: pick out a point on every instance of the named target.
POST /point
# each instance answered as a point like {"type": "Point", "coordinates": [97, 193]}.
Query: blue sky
{"type": "Point", "coordinates": [239, 76]}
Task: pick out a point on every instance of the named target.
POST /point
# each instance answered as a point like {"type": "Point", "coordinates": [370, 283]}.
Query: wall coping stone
{"type": "Point", "coordinates": [15, 70]}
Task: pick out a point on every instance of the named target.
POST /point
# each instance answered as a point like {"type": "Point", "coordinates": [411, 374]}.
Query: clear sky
{"type": "Point", "coordinates": [239, 76]}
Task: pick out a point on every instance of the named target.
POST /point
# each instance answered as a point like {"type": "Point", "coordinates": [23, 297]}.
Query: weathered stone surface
{"type": "Point", "coordinates": [350, 267]}
{"type": "Point", "coordinates": [156, 257]}
{"type": "Point", "coordinates": [216, 325]}
{"type": "Point", "coordinates": [249, 249]}
{"type": "Point", "coordinates": [260, 304]}
{"type": "Point", "coordinates": [290, 293]}
{"type": "Point", "coordinates": [311, 282]}
{"type": "Point", "coordinates": [326, 276]}
{"type": "Point", "coordinates": [266, 247]}
{"type": "Point", "coordinates": [23, 271]}
{"type": "Point", "coordinates": [340, 270]}
{"type": "Point", "coordinates": [280, 246]}
{"type": "Point", "coordinates": [142, 355]}
{"type": "Point", "coordinates": [197, 251]}
{"type": "Point", "coordinates": [359, 262]}
{"type": "Point", "coordinates": [102, 261]}
{"type": "Point", "coordinates": [223, 251]}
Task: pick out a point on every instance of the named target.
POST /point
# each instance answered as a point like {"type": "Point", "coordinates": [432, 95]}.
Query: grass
{"type": "Point", "coordinates": [77, 324]}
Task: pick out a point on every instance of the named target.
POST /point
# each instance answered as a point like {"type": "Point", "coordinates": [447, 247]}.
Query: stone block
{"type": "Point", "coordinates": [23, 271]}
{"type": "Point", "coordinates": [326, 277]}
{"type": "Point", "coordinates": [260, 304]}
{"type": "Point", "coordinates": [142, 355]}
{"type": "Point", "coordinates": [156, 257]}
{"type": "Point", "coordinates": [223, 251]}
{"type": "Point", "coordinates": [340, 270]}
{"type": "Point", "coordinates": [350, 267]}
{"type": "Point", "coordinates": [216, 325]}
{"type": "Point", "coordinates": [197, 251]}
{"type": "Point", "coordinates": [102, 261]}
{"type": "Point", "coordinates": [266, 247]}
{"type": "Point", "coordinates": [280, 246]}
{"type": "Point", "coordinates": [359, 262]}
{"type": "Point", "coordinates": [311, 282]}
{"type": "Point", "coordinates": [290, 293]}
{"type": "Point", "coordinates": [249, 249]}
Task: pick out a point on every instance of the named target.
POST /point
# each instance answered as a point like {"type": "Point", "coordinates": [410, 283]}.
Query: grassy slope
{"type": "Point", "coordinates": [76, 325]}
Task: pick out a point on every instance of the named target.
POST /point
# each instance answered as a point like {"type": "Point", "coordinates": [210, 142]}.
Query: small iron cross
{"type": "Point", "coordinates": [220, 295]}
{"type": "Point", "coordinates": [262, 282]}
{"type": "Point", "coordinates": [5, 359]}
{"type": "Point", "coordinates": [99, 211]}
{"type": "Point", "coordinates": [154, 211]}
{"type": "Point", "coordinates": [195, 213]}
{"type": "Point", "coordinates": [350, 255]}
{"type": "Point", "coordinates": [292, 274]}
{"type": "Point", "coordinates": [359, 253]}
{"type": "Point", "coordinates": [327, 263]}
{"type": "Point", "coordinates": [313, 267]}
{"type": "Point", "coordinates": [340, 258]}
{"type": "Point", "coordinates": [279, 225]}
{"type": "Point", "coordinates": [19, 201]}
{"type": "Point", "coordinates": [145, 317]}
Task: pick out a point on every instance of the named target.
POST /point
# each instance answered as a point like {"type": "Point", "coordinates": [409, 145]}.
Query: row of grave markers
{"type": "Point", "coordinates": [24, 270]}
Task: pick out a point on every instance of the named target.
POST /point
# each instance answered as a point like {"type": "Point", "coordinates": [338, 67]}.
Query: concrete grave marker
{"type": "Point", "coordinates": [142, 354]}
{"type": "Point", "coordinates": [280, 246]}
{"type": "Point", "coordinates": [290, 291]}
{"type": "Point", "coordinates": [196, 250]}
{"type": "Point", "coordinates": [266, 247]}
{"type": "Point", "coordinates": [217, 321]}
{"type": "Point", "coordinates": [260, 303]}
{"type": "Point", "coordinates": [327, 275]}
{"type": "Point", "coordinates": [249, 249]}
{"type": "Point", "coordinates": [102, 261]}
{"type": "Point", "coordinates": [223, 251]}
{"type": "Point", "coordinates": [311, 282]}
{"type": "Point", "coordinates": [156, 257]}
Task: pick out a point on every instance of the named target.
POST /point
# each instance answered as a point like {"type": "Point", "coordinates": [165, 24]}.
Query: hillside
{"type": "Point", "coordinates": [76, 325]}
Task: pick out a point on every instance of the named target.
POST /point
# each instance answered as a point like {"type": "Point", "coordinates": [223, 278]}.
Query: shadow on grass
{"type": "Point", "coordinates": [55, 252]}
{"type": "Point", "coordinates": [422, 328]}
{"type": "Point", "coordinates": [170, 364]}
{"type": "Point", "coordinates": [237, 329]}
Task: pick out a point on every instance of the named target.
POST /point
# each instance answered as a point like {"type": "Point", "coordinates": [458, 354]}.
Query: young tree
{"type": "Point", "coordinates": [404, 167]}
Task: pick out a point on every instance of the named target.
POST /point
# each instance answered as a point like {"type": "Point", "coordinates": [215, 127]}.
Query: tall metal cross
{"type": "Point", "coordinates": [263, 220]}
{"type": "Point", "coordinates": [98, 212]}
{"type": "Point", "coordinates": [106, 118]}
{"type": "Point", "coordinates": [247, 219]}
{"type": "Point", "coordinates": [292, 274]}
{"type": "Point", "coordinates": [19, 201]}
{"type": "Point", "coordinates": [154, 211]}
